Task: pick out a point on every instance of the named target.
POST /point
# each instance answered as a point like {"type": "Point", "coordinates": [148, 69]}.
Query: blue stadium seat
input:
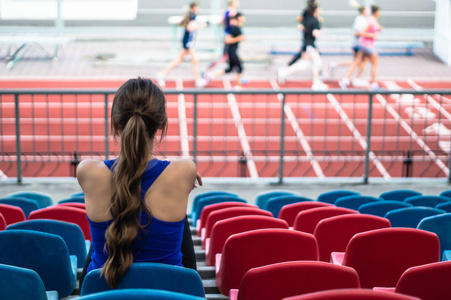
{"type": "Point", "coordinates": [139, 294]}
{"type": "Point", "coordinates": [430, 201]}
{"type": "Point", "coordinates": [332, 196]}
{"type": "Point", "coordinates": [81, 194]}
{"type": "Point", "coordinates": [44, 253]}
{"type": "Point", "coordinates": [399, 195]}
{"type": "Point", "coordinates": [19, 283]}
{"type": "Point", "coordinates": [274, 205]}
{"type": "Point", "coordinates": [27, 205]}
{"type": "Point", "coordinates": [446, 193]}
{"type": "Point", "coordinates": [42, 199]}
{"type": "Point", "coordinates": [381, 208]}
{"type": "Point", "coordinates": [69, 232]}
{"type": "Point", "coordinates": [445, 206]}
{"type": "Point", "coordinates": [209, 194]}
{"type": "Point", "coordinates": [441, 226]}
{"type": "Point", "coordinates": [354, 202]}
{"type": "Point", "coordinates": [212, 200]}
{"type": "Point", "coordinates": [79, 199]}
{"type": "Point", "coordinates": [147, 275]}
{"type": "Point", "coordinates": [411, 216]}
{"type": "Point", "coordinates": [263, 197]}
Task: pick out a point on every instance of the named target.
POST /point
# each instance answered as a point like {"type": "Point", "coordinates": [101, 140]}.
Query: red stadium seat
{"type": "Point", "coordinates": [276, 281]}
{"type": "Point", "coordinates": [290, 211]}
{"type": "Point", "coordinates": [2, 223]}
{"type": "Point", "coordinates": [307, 220]}
{"type": "Point", "coordinates": [213, 207]}
{"type": "Point", "coordinates": [227, 213]}
{"type": "Point", "coordinates": [74, 204]}
{"type": "Point", "coordinates": [257, 248]}
{"type": "Point", "coordinates": [427, 282]}
{"type": "Point", "coordinates": [333, 234]}
{"type": "Point", "coordinates": [64, 213]}
{"type": "Point", "coordinates": [12, 214]}
{"type": "Point", "coordinates": [351, 294]}
{"type": "Point", "coordinates": [225, 228]}
{"type": "Point", "coordinates": [381, 256]}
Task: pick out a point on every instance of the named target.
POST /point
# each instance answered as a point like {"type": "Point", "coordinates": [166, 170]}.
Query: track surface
{"type": "Point", "coordinates": [325, 135]}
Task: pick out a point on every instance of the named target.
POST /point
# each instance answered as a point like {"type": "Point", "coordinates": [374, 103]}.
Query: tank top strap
{"type": "Point", "coordinates": [154, 168]}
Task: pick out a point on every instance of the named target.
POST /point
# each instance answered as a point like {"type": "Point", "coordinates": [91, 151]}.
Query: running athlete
{"type": "Point", "coordinates": [232, 39]}
{"type": "Point", "coordinates": [309, 53]}
{"type": "Point", "coordinates": [230, 12]}
{"type": "Point", "coordinates": [368, 48]}
{"type": "Point", "coordinates": [302, 16]}
{"type": "Point", "coordinates": [359, 25]}
{"type": "Point", "coordinates": [191, 26]}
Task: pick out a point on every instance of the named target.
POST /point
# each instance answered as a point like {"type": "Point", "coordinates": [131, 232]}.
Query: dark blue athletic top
{"type": "Point", "coordinates": [188, 36]}
{"type": "Point", "coordinates": [161, 241]}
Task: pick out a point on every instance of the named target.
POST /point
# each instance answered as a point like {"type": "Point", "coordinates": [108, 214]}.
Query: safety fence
{"type": "Point", "coordinates": [262, 133]}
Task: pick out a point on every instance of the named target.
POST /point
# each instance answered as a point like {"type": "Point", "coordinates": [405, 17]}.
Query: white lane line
{"type": "Point", "coordinates": [412, 134]}
{"type": "Point", "coordinates": [357, 135]}
{"type": "Point", "coordinates": [299, 133]}
{"type": "Point", "coordinates": [183, 127]}
{"type": "Point", "coordinates": [430, 99]}
{"type": "Point", "coordinates": [241, 131]}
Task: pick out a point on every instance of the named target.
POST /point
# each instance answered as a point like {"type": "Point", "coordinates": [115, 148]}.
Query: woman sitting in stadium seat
{"type": "Point", "coordinates": [136, 204]}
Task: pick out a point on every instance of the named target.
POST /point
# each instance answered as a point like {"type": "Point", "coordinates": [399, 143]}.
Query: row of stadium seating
{"type": "Point", "coordinates": [250, 239]}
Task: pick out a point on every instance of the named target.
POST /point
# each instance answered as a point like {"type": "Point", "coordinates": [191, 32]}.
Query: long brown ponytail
{"type": "Point", "coordinates": [188, 14]}
{"type": "Point", "coordinates": [138, 112]}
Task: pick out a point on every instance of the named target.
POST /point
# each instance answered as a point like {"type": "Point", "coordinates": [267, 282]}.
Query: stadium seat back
{"type": "Point", "coordinates": [263, 197]}
{"type": "Point", "coordinates": [441, 226]}
{"type": "Point", "coordinates": [222, 230]}
{"type": "Point", "coordinates": [139, 294]}
{"type": "Point", "coordinates": [42, 199]}
{"type": "Point", "coordinates": [399, 194]}
{"type": "Point", "coordinates": [212, 200]}
{"type": "Point", "coordinates": [66, 214]}
{"type": "Point", "coordinates": [257, 248]}
{"type": "Point", "coordinates": [217, 206]}
{"type": "Point", "coordinates": [12, 214]}
{"type": "Point", "coordinates": [27, 205]}
{"type": "Point", "coordinates": [74, 199]}
{"type": "Point", "coordinates": [354, 202]}
{"type": "Point", "coordinates": [147, 275]}
{"type": "Point", "coordinates": [274, 205]}
{"type": "Point", "coordinates": [430, 201]}
{"type": "Point", "coordinates": [45, 253]}
{"type": "Point", "coordinates": [444, 206]}
{"type": "Point", "coordinates": [290, 211]}
{"type": "Point", "coordinates": [208, 194]}
{"type": "Point", "coordinates": [332, 196]}
{"type": "Point", "coordinates": [351, 294]}
{"type": "Point", "coordinates": [276, 281]}
{"type": "Point", "coordinates": [70, 233]}
{"type": "Point", "coordinates": [411, 216]}
{"type": "Point", "coordinates": [333, 234]}
{"type": "Point", "coordinates": [307, 220]}
{"type": "Point", "coordinates": [380, 208]}
{"type": "Point", "coordinates": [20, 283]}
{"type": "Point", "coordinates": [231, 212]}
{"type": "Point", "coordinates": [427, 282]}
{"type": "Point", "coordinates": [380, 256]}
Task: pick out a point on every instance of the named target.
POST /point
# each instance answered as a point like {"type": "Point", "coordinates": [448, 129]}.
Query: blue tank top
{"type": "Point", "coordinates": [161, 242]}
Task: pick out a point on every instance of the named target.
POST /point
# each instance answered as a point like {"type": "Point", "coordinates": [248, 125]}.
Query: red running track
{"type": "Point", "coordinates": [325, 135]}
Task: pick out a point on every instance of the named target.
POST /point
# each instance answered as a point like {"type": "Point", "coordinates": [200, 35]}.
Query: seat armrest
{"type": "Point", "coordinates": [207, 246]}
{"type": "Point", "coordinates": [233, 294]}
{"type": "Point", "coordinates": [218, 263]}
{"type": "Point", "coordinates": [73, 263]}
{"type": "Point", "coordinates": [52, 295]}
{"type": "Point", "coordinates": [198, 227]}
{"type": "Point", "coordinates": [446, 255]}
{"type": "Point", "coordinates": [337, 258]}
{"type": "Point", "coordinates": [384, 289]}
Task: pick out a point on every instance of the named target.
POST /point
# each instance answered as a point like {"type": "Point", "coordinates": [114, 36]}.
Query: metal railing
{"type": "Point", "coordinates": [240, 133]}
